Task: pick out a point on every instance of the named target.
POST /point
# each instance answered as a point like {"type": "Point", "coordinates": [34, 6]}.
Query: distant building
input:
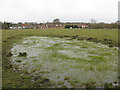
{"type": "Point", "coordinates": [53, 25]}
{"type": "Point", "coordinates": [57, 24]}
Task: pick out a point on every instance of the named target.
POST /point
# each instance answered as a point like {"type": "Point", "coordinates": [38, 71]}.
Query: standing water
{"type": "Point", "coordinates": [71, 63]}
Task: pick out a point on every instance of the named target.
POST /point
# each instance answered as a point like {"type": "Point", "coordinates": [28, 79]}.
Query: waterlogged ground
{"type": "Point", "coordinates": [65, 62]}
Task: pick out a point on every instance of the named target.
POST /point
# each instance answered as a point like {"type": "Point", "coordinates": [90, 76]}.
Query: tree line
{"type": "Point", "coordinates": [97, 26]}
{"type": "Point", "coordinates": [103, 26]}
{"type": "Point", "coordinates": [7, 25]}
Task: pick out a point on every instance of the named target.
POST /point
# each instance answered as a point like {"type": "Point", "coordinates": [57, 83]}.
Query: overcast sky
{"type": "Point", "coordinates": [65, 10]}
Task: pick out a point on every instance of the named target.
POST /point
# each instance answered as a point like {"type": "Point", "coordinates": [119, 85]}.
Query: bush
{"type": "Point", "coordinates": [73, 26]}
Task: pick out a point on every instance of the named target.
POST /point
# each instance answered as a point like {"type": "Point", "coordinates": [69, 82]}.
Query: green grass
{"type": "Point", "coordinates": [99, 33]}
{"type": "Point", "coordinates": [11, 36]}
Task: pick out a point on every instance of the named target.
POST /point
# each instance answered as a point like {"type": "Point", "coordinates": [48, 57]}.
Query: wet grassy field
{"type": "Point", "coordinates": [99, 34]}
{"type": "Point", "coordinates": [15, 79]}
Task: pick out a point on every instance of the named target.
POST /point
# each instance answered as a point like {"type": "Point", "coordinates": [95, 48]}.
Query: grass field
{"type": "Point", "coordinates": [100, 34]}
{"type": "Point", "coordinates": [109, 37]}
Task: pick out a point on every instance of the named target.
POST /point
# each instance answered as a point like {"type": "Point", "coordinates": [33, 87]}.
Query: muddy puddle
{"type": "Point", "coordinates": [71, 63]}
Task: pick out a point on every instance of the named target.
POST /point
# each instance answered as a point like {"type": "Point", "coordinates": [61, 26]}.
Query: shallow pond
{"type": "Point", "coordinates": [62, 61]}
